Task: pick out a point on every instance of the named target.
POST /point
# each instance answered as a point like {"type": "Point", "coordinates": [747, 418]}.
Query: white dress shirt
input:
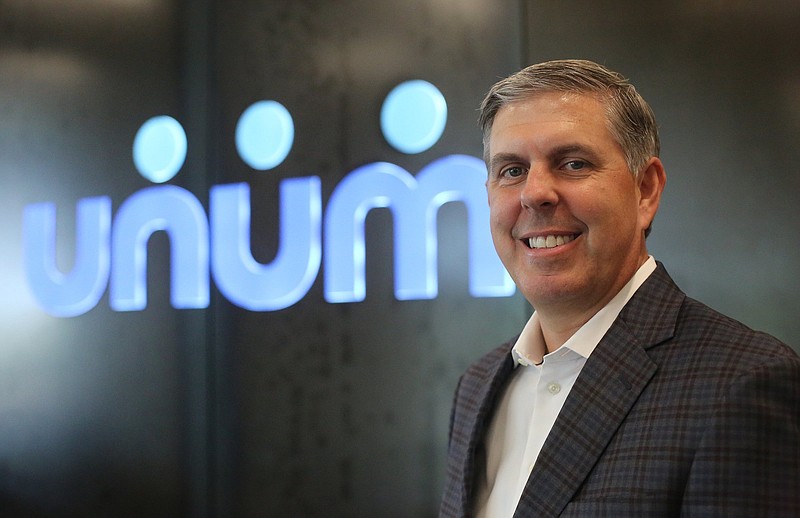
{"type": "Point", "coordinates": [533, 398]}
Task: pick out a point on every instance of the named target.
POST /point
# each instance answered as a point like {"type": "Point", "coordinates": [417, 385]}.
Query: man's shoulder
{"type": "Point", "coordinates": [721, 347]}
{"type": "Point", "coordinates": [663, 305]}
{"type": "Point", "coordinates": [703, 324]}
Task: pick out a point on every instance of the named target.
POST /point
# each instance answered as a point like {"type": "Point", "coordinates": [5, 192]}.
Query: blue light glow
{"type": "Point", "coordinates": [264, 135]}
{"type": "Point", "coordinates": [159, 149]}
{"type": "Point", "coordinates": [413, 116]}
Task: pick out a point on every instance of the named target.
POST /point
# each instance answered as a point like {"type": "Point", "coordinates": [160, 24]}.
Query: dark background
{"type": "Point", "coordinates": [337, 409]}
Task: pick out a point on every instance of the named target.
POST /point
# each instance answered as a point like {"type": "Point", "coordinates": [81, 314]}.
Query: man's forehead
{"type": "Point", "coordinates": [554, 99]}
{"type": "Point", "coordinates": [550, 123]}
{"type": "Point", "coordinates": [553, 113]}
{"type": "Point", "coordinates": [593, 109]}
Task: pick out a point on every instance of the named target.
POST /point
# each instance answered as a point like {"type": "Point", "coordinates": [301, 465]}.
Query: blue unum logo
{"type": "Point", "coordinates": [111, 252]}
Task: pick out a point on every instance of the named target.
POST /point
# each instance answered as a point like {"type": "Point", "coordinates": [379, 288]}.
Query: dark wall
{"type": "Point", "coordinates": [326, 409]}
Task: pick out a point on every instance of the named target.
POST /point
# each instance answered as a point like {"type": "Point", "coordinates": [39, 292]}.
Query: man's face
{"type": "Point", "coordinates": [566, 216]}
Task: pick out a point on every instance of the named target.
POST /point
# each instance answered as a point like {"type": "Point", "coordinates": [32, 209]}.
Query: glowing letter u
{"type": "Point", "coordinates": [76, 293]}
{"type": "Point", "coordinates": [279, 284]}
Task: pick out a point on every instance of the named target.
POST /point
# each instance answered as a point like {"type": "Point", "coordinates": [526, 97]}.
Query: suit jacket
{"type": "Point", "coordinates": [679, 411]}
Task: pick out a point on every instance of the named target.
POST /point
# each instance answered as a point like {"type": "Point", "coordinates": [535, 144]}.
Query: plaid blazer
{"type": "Point", "coordinates": [679, 411]}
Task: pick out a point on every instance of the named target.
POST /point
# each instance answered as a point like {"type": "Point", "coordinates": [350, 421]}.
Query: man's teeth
{"type": "Point", "coordinates": [549, 241]}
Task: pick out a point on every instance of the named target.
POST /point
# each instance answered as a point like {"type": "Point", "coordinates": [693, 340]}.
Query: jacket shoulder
{"type": "Point", "coordinates": [716, 333]}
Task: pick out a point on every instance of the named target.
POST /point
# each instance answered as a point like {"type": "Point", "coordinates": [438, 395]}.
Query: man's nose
{"type": "Point", "coordinates": [539, 190]}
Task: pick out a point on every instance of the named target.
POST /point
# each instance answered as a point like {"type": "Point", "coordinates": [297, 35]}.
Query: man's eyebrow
{"type": "Point", "coordinates": [569, 149]}
{"type": "Point", "coordinates": [502, 158]}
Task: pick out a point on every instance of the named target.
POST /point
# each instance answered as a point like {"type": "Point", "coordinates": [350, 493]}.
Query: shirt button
{"type": "Point", "coordinates": [554, 388]}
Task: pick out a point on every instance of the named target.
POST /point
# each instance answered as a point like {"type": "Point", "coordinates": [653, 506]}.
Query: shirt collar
{"type": "Point", "coordinates": [530, 343]}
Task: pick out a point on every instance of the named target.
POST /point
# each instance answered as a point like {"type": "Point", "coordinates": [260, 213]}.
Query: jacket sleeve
{"type": "Point", "coordinates": [748, 463]}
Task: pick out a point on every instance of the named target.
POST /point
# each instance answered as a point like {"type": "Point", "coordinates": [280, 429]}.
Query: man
{"type": "Point", "coordinates": [621, 396]}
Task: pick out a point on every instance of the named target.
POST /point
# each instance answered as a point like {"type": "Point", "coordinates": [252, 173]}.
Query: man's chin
{"type": "Point", "coordinates": [549, 290]}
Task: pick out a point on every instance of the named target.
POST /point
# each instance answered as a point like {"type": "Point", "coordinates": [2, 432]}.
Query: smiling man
{"type": "Point", "coordinates": [621, 396]}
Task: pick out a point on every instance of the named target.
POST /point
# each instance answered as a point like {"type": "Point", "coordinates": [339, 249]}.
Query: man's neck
{"type": "Point", "coordinates": [556, 333]}
{"type": "Point", "coordinates": [559, 323]}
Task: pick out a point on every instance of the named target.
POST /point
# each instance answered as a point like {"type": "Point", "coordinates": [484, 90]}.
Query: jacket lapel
{"type": "Point", "coordinates": [478, 393]}
{"type": "Point", "coordinates": [608, 386]}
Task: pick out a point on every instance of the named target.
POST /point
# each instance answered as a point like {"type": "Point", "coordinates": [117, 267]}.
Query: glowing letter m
{"type": "Point", "coordinates": [414, 203]}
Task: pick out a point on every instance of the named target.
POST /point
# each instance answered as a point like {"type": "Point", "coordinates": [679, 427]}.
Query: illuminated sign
{"type": "Point", "coordinates": [111, 252]}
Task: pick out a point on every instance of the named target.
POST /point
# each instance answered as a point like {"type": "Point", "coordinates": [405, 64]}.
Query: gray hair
{"type": "Point", "coordinates": [630, 118]}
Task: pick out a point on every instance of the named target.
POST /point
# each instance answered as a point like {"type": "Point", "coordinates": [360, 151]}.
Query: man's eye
{"type": "Point", "coordinates": [512, 172]}
{"type": "Point", "coordinates": [575, 165]}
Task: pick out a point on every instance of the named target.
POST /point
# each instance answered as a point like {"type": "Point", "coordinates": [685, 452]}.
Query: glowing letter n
{"type": "Point", "coordinates": [180, 214]}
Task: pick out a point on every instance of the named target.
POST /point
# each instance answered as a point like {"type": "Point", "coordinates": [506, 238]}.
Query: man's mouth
{"type": "Point", "coordinates": [550, 241]}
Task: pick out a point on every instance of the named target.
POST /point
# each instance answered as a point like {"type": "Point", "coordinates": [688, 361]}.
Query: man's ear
{"type": "Point", "coordinates": [651, 180]}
